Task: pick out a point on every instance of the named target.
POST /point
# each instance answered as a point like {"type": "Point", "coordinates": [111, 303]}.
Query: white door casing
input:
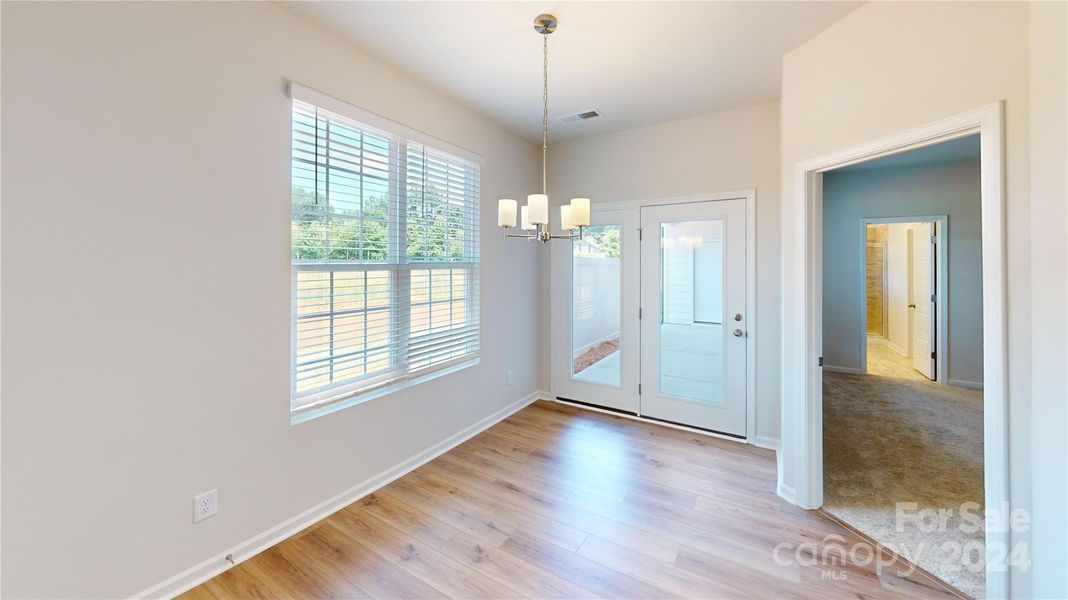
{"type": "Point", "coordinates": [800, 460]}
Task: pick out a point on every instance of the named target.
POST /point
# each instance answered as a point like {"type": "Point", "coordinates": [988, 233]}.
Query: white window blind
{"type": "Point", "coordinates": [384, 255]}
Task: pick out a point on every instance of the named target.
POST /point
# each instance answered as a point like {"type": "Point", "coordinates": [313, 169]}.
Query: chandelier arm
{"type": "Point", "coordinates": [518, 235]}
{"type": "Point", "coordinates": [568, 236]}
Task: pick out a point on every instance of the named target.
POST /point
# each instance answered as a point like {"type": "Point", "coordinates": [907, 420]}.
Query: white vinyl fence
{"type": "Point", "coordinates": [596, 302]}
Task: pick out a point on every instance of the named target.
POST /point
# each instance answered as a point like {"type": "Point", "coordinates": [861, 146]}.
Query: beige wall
{"type": "Point", "coordinates": [719, 152]}
{"type": "Point", "coordinates": [888, 67]}
{"type": "Point", "coordinates": [1049, 300]}
{"type": "Point", "coordinates": [146, 288]}
{"type": "Point", "coordinates": [145, 260]}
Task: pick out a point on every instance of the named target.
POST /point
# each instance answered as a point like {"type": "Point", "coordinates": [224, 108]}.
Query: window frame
{"type": "Point", "coordinates": [328, 398]}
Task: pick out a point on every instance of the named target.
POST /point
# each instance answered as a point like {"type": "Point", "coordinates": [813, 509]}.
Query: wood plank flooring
{"type": "Point", "coordinates": [557, 502]}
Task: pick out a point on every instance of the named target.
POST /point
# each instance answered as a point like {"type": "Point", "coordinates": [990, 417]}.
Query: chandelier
{"type": "Point", "coordinates": [534, 217]}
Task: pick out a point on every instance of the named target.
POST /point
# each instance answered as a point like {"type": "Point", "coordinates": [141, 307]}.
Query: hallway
{"type": "Point", "coordinates": [884, 361]}
{"type": "Point", "coordinates": [893, 437]}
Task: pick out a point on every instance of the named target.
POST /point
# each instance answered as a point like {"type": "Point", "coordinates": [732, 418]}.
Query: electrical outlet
{"type": "Point", "coordinates": [511, 377]}
{"type": "Point", "coordinates": [205, 505]}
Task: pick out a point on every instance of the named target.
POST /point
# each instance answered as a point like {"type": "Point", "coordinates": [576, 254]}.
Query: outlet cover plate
{"type": "Point", "coordinates": [205, 505]}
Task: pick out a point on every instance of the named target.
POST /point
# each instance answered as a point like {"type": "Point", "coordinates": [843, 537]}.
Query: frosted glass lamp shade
{"type": "Point", "coordinates": [506, 208]}
{"type": "Point", "coordinates": [565, 218]}
{"type": "Point", "coordinates": [580, 212]}
{"type": "Point", "coordinates": [524, 218]}
{"type": "Point", "coordinates": [539, 208]}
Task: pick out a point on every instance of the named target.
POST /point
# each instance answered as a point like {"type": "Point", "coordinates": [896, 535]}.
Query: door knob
{"type": "Point", "coordinates": [737, 316]}
{"type": "Point", "coordinates": [738, 333]}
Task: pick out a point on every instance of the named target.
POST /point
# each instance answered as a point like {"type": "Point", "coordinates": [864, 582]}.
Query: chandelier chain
{"type": "Point", "coordinates": [545, 108]}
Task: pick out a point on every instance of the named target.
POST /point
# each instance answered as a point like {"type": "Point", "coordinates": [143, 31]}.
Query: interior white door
{"type": "Point", "coordinates": [923, 300]}
{"type": "Point", "coordinates": [595, 357]}
{"type": "Point", "coordinates": [693, 326]}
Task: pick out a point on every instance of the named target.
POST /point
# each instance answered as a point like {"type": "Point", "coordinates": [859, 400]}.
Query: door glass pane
{"type": "Point", "coordinates": [595, 298]}
{"type": "Point", "coordinates": [691, 319]}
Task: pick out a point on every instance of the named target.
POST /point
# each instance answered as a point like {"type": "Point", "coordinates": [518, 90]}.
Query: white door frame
{"type": "Point", "coordinates": [941, 280]}
{"type": "Point", "coordinates": [560, 319]}
{"type": "Point", "coordinates": [802, 440]}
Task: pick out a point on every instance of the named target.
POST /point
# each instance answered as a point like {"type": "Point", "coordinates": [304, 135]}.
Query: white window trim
{"type": "Point", "coordinates": [344, 400]}
{"type": "Point", "coordinates": [334, 105]}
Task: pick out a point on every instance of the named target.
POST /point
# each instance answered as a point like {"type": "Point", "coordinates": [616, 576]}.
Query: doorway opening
{"type": "Point", "coordinates": [902, 397]}
{"type": "Point", "coordinates": [905, 296]}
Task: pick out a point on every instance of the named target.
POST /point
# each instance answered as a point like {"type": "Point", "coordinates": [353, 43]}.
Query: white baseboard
{"type": "Point", "coordinates": [972, 385]}
{"type": "Point", "coordinates": [849, 370]}
{"type": "Point", "coordinates": [787, 493]}
{"type": "Point", "coordinates": [897, 348]}
{"type": "Point", "coordinates": [210, 568]}
{"type": "Point", "coordinates": [763, 441]}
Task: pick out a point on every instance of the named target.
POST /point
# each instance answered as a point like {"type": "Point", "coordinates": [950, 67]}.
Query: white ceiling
{"type": "Point", "coordinates": [638, 63]}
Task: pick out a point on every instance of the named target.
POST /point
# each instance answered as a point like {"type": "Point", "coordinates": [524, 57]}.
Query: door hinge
{"type": "Point", "coordinates": [639, 234]}
{"type": "Point", "coordinates": [932, 355]}
{"type": "Point", "coordinates": [934, 297]}
{"type": "Point", "coordinates": [934, 239]}
{"type": "Point", "coordinates": [821, 361]}
{"type": "Point", "coordinates": [639, 312]}
{"type": "Point", "coordinates": [639, 389]}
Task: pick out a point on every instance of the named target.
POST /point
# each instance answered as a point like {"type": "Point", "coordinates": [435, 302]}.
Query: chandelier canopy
{"type": "Point", "coordinates": [534, 216]}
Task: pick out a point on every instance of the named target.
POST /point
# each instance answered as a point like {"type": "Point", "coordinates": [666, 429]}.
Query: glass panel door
{"type": "Point", "coordinates": [595, 309]}
{"type": "Point", "coordinates": [693, 291]}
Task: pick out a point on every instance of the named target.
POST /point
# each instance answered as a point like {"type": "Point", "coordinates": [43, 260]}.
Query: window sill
{"type": "Point", "coordinates": [314, 412]}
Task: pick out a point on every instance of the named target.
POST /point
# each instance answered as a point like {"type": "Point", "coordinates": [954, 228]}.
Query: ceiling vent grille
{"type": "Point", "coordinates": [585, 115]}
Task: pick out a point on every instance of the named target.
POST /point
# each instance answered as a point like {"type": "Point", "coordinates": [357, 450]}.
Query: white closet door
{"type": "Point", "coordinates": [923, 305]}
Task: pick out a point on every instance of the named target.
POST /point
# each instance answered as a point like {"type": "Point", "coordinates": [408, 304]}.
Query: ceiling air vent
{"type": "Point", "coordinates": [585, 115]}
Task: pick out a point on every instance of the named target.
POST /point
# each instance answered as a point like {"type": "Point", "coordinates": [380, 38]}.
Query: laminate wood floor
{"type": "Point", "coordinates": [557, 502]}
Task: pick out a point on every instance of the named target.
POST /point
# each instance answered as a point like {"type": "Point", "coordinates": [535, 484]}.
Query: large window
{"type": "Point", "coordinates": [384, 254]}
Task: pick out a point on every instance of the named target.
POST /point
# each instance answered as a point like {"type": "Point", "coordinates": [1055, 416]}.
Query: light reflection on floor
{"type": "Point", "coordinates": [587, 450]}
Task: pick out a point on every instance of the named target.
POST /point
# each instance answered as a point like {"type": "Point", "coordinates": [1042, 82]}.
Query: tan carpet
{"type": "Point", "coordinates": [893, 436]}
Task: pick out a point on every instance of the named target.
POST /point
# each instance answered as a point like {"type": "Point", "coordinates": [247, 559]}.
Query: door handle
{"type": "Point", "coordinates": [738, 333]}
{"type": "Point", "coordinates": [912, 306]}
